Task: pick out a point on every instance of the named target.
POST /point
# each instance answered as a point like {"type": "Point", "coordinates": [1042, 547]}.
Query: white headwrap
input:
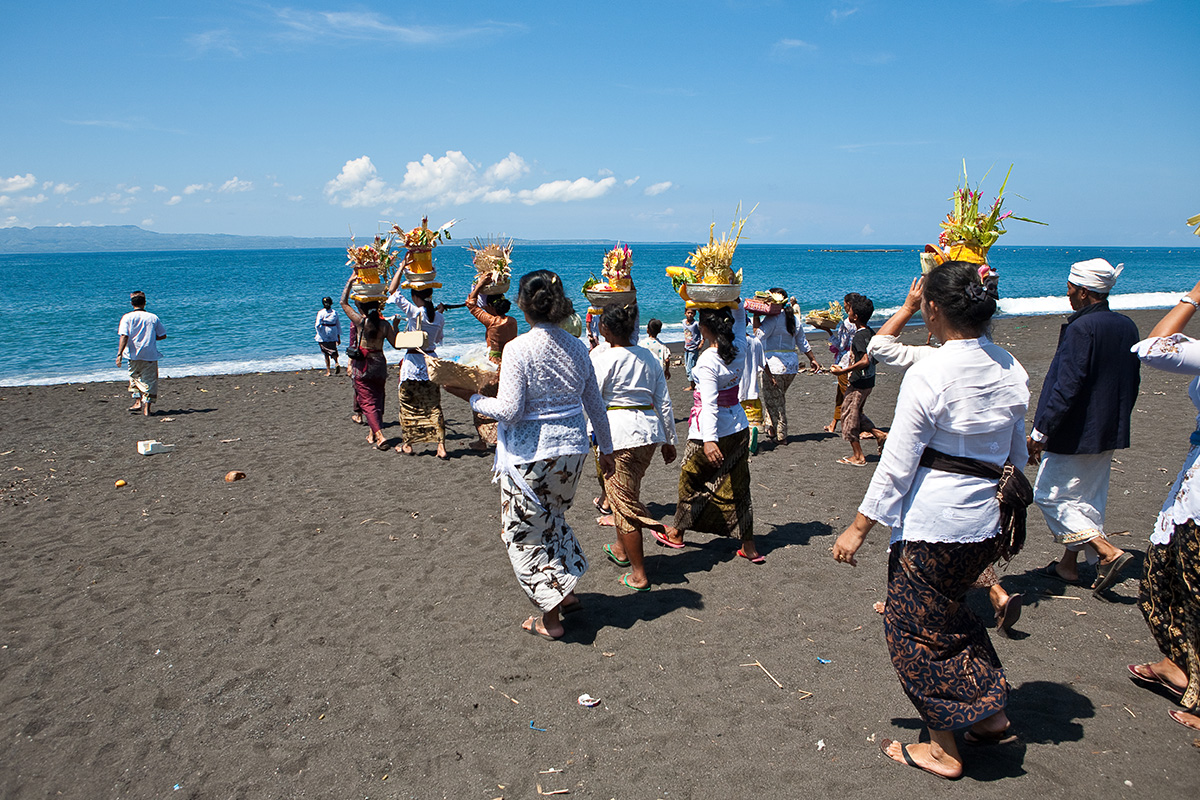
{"type": "Point", "coordinates": [1095, 274]}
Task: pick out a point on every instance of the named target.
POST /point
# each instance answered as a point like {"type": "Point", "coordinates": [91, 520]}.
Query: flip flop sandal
{"type": "Point", "coordinates": [1182, 718]}
{"type": "Point", "coordinates": [1109, 574]}
{"type": "Point", "coordinates": [600, 506]}
{"type": "Point", "coordinates": [1051, 571]}
{"type": "Point", "coordinates": [532, 629]}
{"type": "Point", "coordinates": [625, 580]}
{"type": "Point", "coordinates": [612, 557]}
{"type": "Point", "coordinates": [1009, 613]}
{"type": "Point", "coordinates": [759, 559]}
{"type": "Point", "coordinates": [883, 745]}
{"type": "Point", "coordinates": [1146, 674]}
{"type": "Point", "coordinates": [848, 462]}
{"type": "Point", "coordinates": [663, 541]}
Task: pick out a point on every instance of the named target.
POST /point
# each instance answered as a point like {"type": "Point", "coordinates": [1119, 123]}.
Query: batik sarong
{"type": "Point", "coordinates": [854, 421]}
{"type": "Point", "coordinates": [421, 412]}
{"type": "Point", "coordinates": [754, 414]}
{"type": "Point", "coordinates": [1170, 601]}
{"type": "Point", "coordinates": [370, 386]}
{"type": "Point", "coordinates": [624, 489]}
{"type": "Point", "coordinates": [1072, 492]}
{"type": "Point", "coordinates": [143, 379]}
{"type": "Point", "coordinates": [774, 397]}
{"type": "Point", "coordinates": [941, 651]}
{"type": "Point", "coordinates": [717, 499]}
{"type": "Point", "coordinates": [545, 555]}
{"type": "Point", "coordinates": [843, 383]}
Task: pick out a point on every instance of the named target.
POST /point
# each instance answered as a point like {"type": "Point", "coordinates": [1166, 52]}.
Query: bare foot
{"type": "Point", "coordinates": [606, 521]}
{"type": "Point", "coordinates": [327, 373]}
{"type": "Point", "coordinates": [830, 428]}
{"type": "Point", "coordinates": [145, 409]}
{"type": "Point", "coordinates": [920, 755]}
{"type": "Point", "coordinates": [356, 419]}
{"type": "Point", "coordinates": [879, 606]}
{"type": "Point", "coordinates": [137, 406]}
{"type": "Point", "coordinates": [881, 440]}
{"type": "Point", "coordinates": [403, 448]}
{"type": "Point", "coordinates": [441, 451]}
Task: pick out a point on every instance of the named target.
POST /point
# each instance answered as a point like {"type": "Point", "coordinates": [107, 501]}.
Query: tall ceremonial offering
{"type": "Point", "coordinates": [420, 243]}
{"type": "Point", "coordinates": [373, 264]}
{"type": "Point", "coordinates": [710, 282]}
{"type": "Point", "coordinates": [968, 233]}
{"type": "Point", "coordinates": [493, 257]}
{"type": "Point", "coordinates": [617, 286]}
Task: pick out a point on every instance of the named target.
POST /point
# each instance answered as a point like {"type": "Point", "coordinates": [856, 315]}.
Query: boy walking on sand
{"type": "Point", "coordinates": [860, 373]}
{"type": "Point", "coordinates": [660, 350]}
{"type": "Point", "coordinates": [140, 331]}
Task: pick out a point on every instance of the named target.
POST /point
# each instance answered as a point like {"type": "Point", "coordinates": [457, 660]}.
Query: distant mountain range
{"type": "Point", "coordinates": [124, 238]}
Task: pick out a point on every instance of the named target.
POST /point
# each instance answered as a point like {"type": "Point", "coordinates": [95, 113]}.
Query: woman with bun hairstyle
{"type": "Point", "coordinates": [370, 372]}
{"type": "Point", "coordinates": [640, 418]}
{"type": "Point", "coordinates": [714, 480]}
{"type": "Point", "coordinates": [957, 432]}
{"type": "Point", "coordinates": [546, 386]}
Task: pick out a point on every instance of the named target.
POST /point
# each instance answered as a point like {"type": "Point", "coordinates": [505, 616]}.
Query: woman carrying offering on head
{"type": "Point", "coordinates": [421, 418]}
{"type": "Point", "coordinates": [958, 429]}
{"type": "Point", "coordinates": [714, 479]}
{"type": "Point", "coordinates": [369, 372]}
{"type": "Point", "coordinates": [500, 329]}
{"type": "Point", "coordinates": [546, 386]}
{"type": "Point", "coordinates": [634, 391]}
{"type": "Point", "coordinates": [781, 335]}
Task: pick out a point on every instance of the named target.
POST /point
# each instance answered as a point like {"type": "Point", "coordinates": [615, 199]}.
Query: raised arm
{"type": "Point", "coordinates": [351, 312]}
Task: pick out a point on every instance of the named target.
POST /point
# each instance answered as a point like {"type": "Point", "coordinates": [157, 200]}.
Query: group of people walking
{"type": "Point", "coordinates": [949, 481]}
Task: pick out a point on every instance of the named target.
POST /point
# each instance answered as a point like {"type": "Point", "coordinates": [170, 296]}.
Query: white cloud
{"type": "Point", "coordinates": [452, 180]}
{"type": "Point", "coordinates": [837, 15]}
{"type": "Point", "coordinates": [131, 189]}
{"type": "Point", "coordinates": [358, 185]}
{"type": "Point", "coordinates": [657, 188]}
{"type": "Point", "coordinates": [158, 188]}
{"type": "Point", "coordinates": [27, 200]}
{"type": "Point", "coordinates": [449, 179]}
{"type": "Point", "coordinates": [566, 191]}
{"type": "Point", "coordinates": [633, 180]}
{"type": "Point", "coordinates": [17, 183]}
{"type": "Point", "coordinates": [867, 230]}
{"type": "Point", "coordinates": [192, 188]}
{"type": "Point", "coordinates": [11, 222]}
{"type": "Point", "coordinates": [295, 198]}
{"type": "Point", "coordinates": [146, 223]}
{"type": "Point", "coordinates": [235, 185]}
{"type": "Point", "coordinates": [60, 188]}
{"type": "Point", "coordinates": [506, 169]}
{"type": "Point", "coordinates": [175, 200]}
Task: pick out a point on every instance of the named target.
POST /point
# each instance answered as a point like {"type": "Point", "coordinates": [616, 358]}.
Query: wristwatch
{"type": "Point", "coordinates": [1187, 299]}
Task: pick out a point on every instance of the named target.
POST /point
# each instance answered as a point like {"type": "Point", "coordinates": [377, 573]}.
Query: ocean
{"type": "Point", "coordinates": [239, 311]}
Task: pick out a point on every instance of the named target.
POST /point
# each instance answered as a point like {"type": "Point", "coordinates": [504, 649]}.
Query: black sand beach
{"type": "Point", "coordinates": [344, 622]}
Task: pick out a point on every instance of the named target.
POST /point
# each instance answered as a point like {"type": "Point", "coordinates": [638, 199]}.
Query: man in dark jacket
{"type": "Point", "coordinates": [1082, 417]}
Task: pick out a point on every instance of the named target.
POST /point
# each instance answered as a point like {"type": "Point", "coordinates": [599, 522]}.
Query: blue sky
{"type": "Point", "coordinates": [847, 122]}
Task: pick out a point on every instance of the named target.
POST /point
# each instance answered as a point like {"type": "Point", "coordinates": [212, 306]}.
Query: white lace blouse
{"type": "Point", "coordinates": [781, 346]}
{"type": "Point", "coordinates": [966, 398]}
{"type": "Point", "coordinates": [546, 385]}
{"type": "Point", "coordinates": [1179, 354]}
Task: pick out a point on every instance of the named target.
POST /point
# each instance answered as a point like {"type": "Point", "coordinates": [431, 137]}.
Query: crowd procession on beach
{"type": "Point", "coordinates": [572, 394]}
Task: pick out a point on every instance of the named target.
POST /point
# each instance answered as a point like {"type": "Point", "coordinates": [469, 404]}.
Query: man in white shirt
{"type": "Point", "coordinates": [140, 331]}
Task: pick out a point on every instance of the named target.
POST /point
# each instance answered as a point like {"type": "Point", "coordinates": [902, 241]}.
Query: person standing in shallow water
{"type": "Point", "coordinates": [140, 331]}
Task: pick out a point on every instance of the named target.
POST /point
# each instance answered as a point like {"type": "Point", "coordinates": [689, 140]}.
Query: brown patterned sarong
{"type": "Point", "coordinates": [717, 499]}
{"type": "Point", "coordinates": [854, 421]}
{"type": "Point", "coordinates": [1170, 601]}
{"type": "Point", "coordinates": [774, 397]}
{"type": "Point", "coordinates": [941, 651]}
{"type": "Point", "coordinates": [421, 412]}
{"type": "Point", "coordinates": [624, 489]}
{"type": "Point", "coordinates": [842, 385]}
